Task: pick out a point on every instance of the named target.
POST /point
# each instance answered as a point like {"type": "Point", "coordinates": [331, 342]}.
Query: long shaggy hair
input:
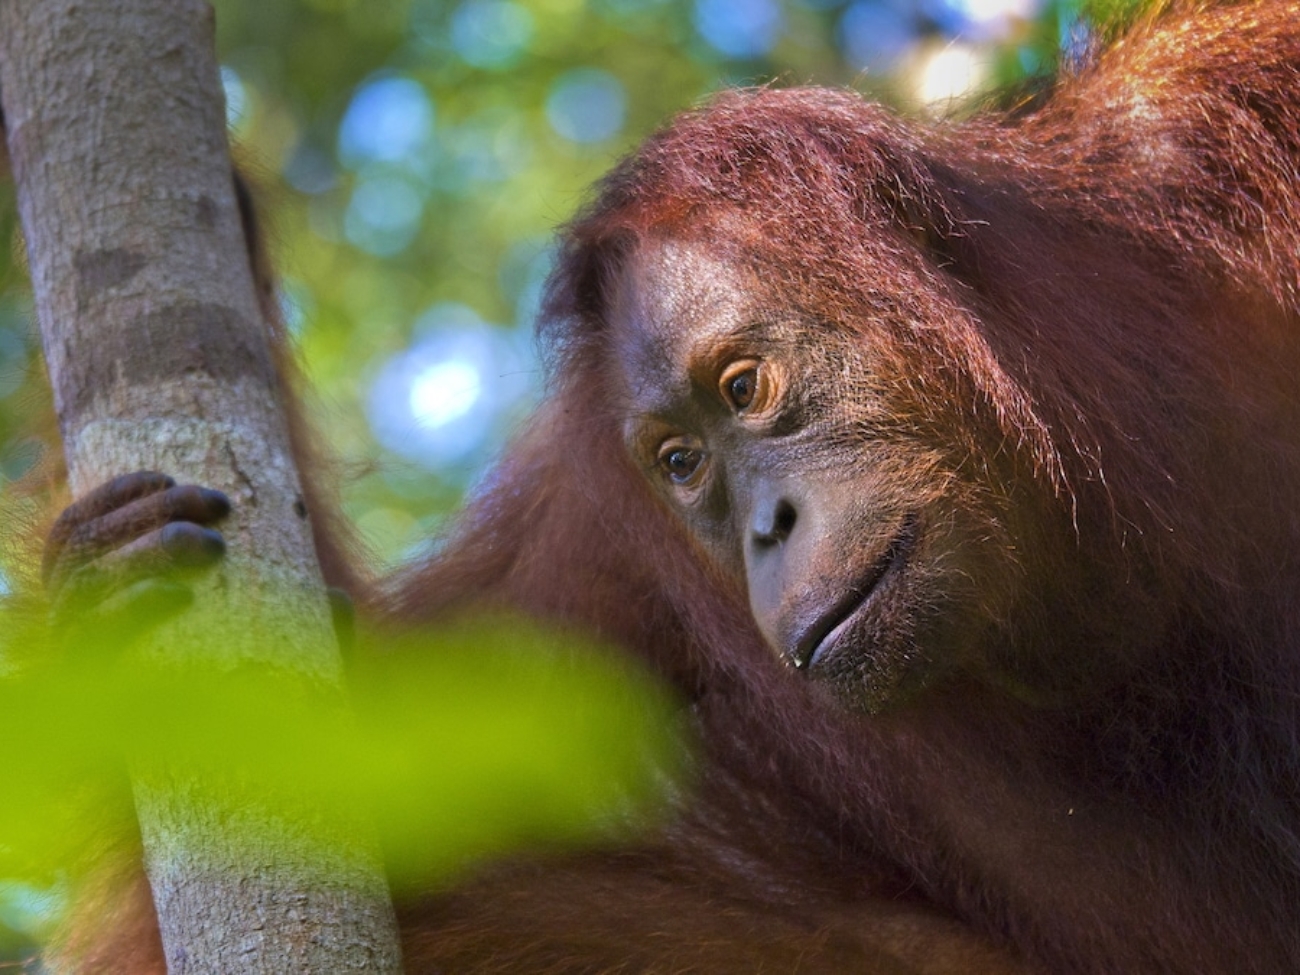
{"type": "Point", "coordinates": [1105, 289]}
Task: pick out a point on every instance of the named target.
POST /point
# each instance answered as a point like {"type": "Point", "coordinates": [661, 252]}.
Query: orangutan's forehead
{"type": "Point", "coordinates": [672, 306]}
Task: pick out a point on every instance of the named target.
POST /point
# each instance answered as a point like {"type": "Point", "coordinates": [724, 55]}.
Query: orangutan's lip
{"type": "Point", "coordinates": [829, 625]}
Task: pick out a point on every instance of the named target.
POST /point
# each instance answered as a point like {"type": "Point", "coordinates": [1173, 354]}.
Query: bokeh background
{"type": "Point", "coordinates": [413, 158]}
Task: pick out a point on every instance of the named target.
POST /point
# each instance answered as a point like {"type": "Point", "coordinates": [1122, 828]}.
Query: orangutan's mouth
{"type": "Point", "coordinates": [828, 628]}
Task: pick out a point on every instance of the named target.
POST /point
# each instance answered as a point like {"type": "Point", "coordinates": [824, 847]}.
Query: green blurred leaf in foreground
{"type": "Point", "coordinates": [460, 743]}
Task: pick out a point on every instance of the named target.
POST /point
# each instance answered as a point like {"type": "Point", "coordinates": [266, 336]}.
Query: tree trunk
{"type": "Point", "coordinates": [160, 360]}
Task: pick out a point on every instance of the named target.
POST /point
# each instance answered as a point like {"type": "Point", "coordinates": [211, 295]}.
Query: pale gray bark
{"type": "Point", "coordinates": [159, 360]}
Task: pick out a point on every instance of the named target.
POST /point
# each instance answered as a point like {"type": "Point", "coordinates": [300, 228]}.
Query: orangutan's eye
{"type": "Point", "coordinates": [741, 389]}
{"type": "Point", "coordinates": [743, 386]}
{"type": "Point", "coordinates": [681, 462]}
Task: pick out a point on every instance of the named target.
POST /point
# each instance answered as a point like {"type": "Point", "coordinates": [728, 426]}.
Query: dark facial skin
{"type": "Point", "coordinates": [796, 461]}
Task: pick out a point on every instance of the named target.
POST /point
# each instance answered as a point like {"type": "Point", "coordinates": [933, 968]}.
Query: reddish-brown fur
{"type": "Point", "coordinates": [1106, 297]}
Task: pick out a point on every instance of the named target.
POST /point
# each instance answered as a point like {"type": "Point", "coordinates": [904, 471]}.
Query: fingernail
{"type": "Point", "coordinates": [217, 502]}
{"type": "Point", "coordinates": [191, 546]}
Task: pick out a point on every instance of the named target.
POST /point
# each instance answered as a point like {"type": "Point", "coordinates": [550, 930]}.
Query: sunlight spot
{"type": "Point", "coordinates": [491, 33]}
{"type": "Point", "coordinates": [30, 909]}
{"type": "Point", "coordinates": [739, 28]}
{"type": "Point", "coordinates": [294, 299]}
{"type": "Point", "coordinates": [875, 36]}
{"type": "Point", "coordinates": [388, 120]}
{"type": "Point", "coordinates": [981, 20]}
{"type": "Point", "coordinates": [586, 105]}
{"type": "Point", "coordinates": [456, 391]}
{"type": "Point", "coordinates": [236, 98]}
{"type": "Point", "coordinates": [383, 215]}
{"type": "Point", "coordinates": [623, 8]}
{"type": "Point", "coordinates": [310, 170]}
{"type": "Point", "coordinates": [948, 75]}
{"type": "Point", "coordinates": [444, 392]}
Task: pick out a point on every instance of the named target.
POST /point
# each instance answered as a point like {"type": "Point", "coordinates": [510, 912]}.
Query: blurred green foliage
{"type": "Point", "coordinates": [425, 745]}
{"type": "Point", "coordinates": [458, 744]}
